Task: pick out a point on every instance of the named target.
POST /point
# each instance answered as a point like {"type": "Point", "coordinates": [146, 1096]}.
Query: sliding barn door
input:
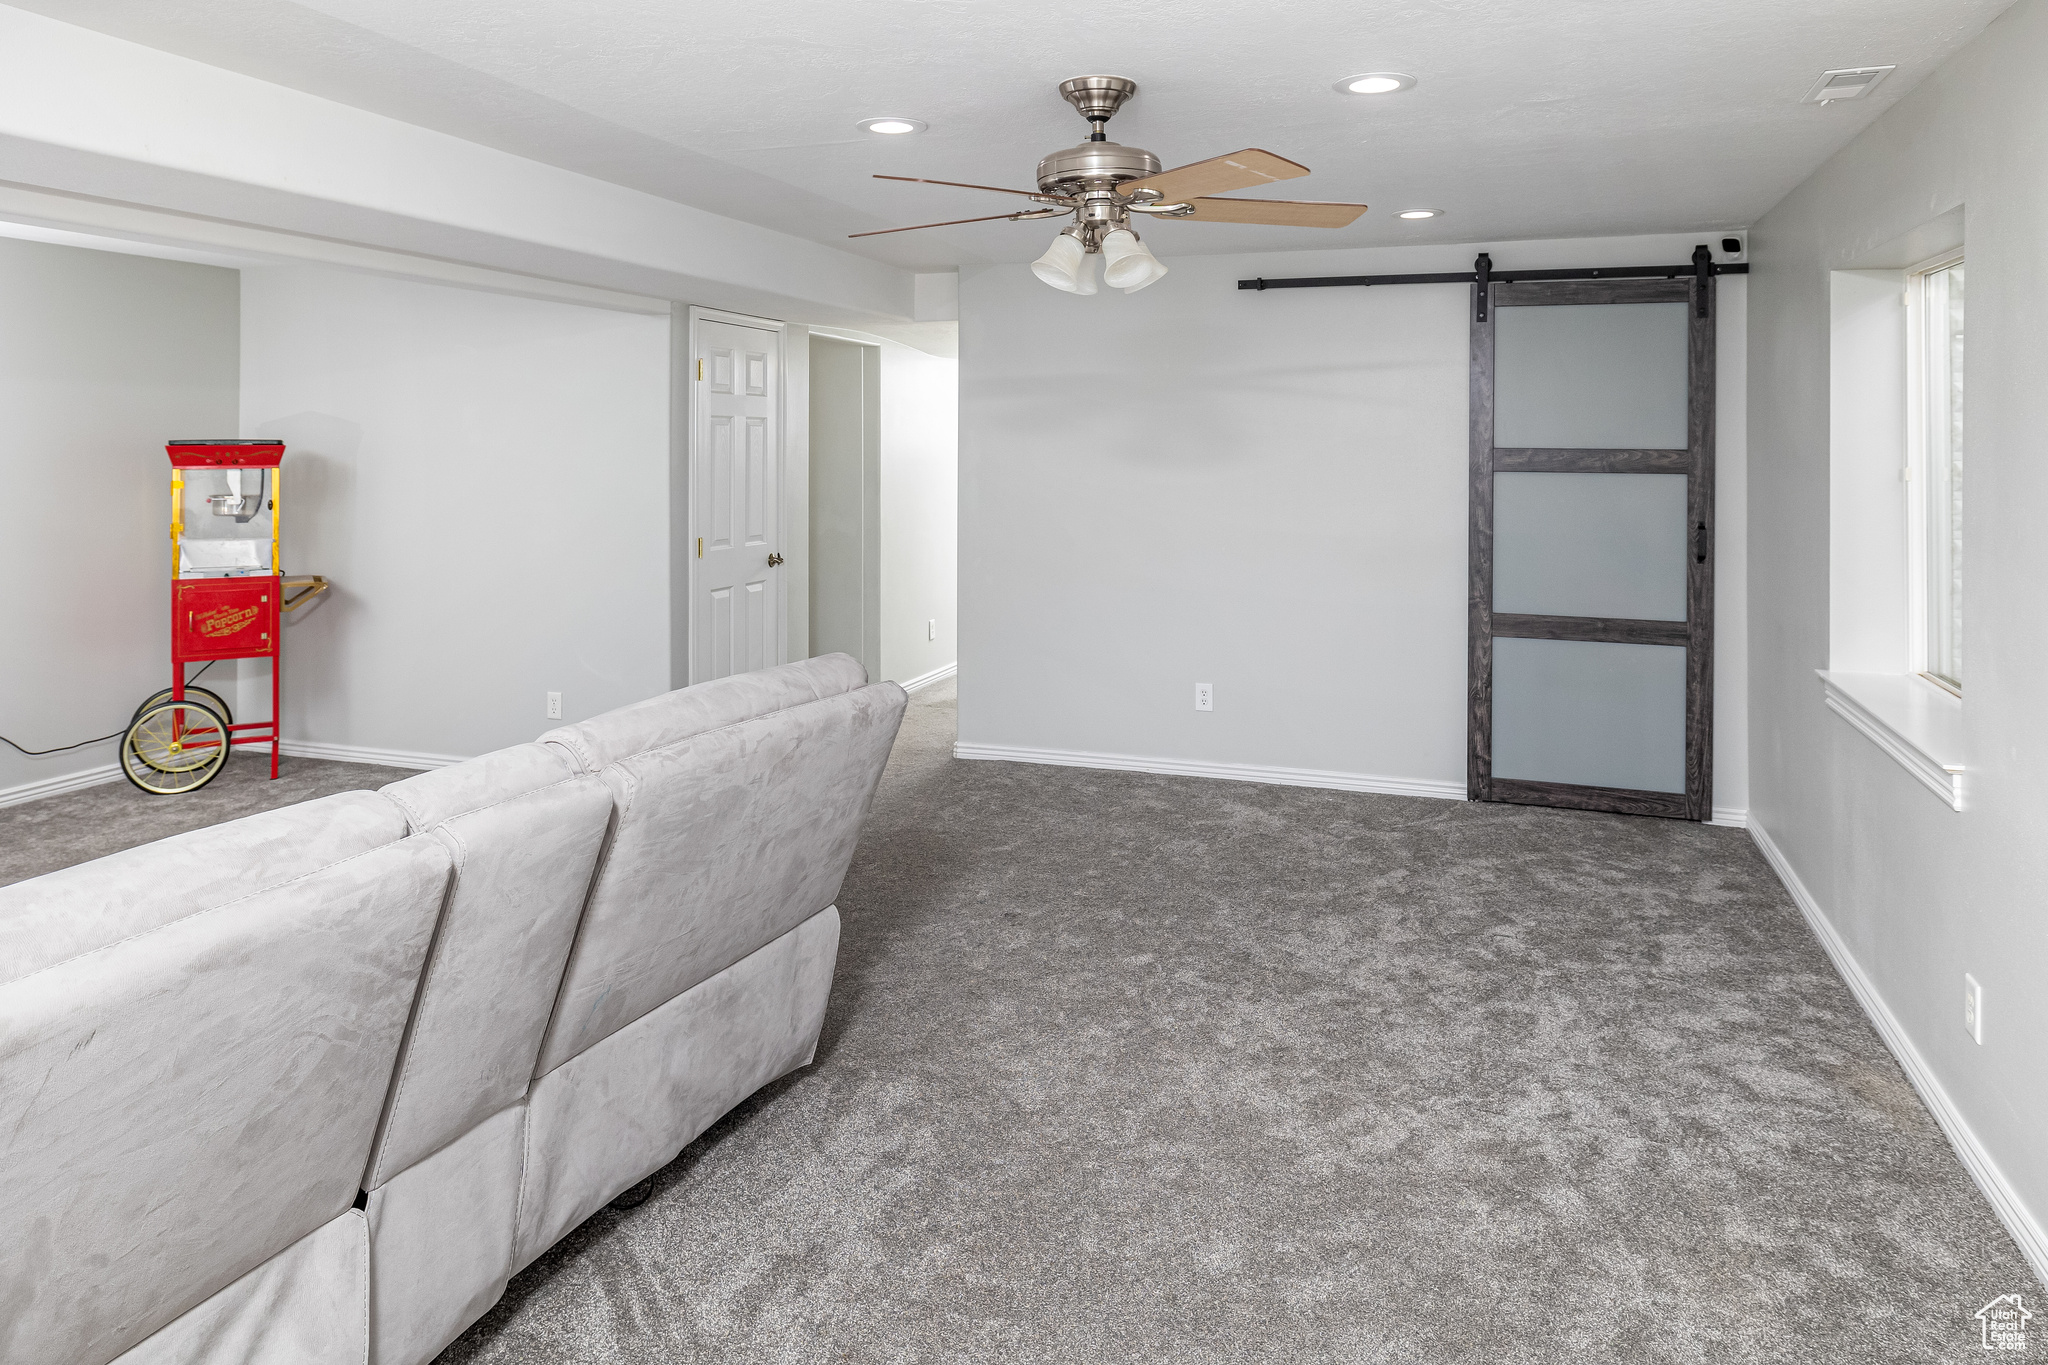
{"type": "Point", "coordinates": [1592, 545]}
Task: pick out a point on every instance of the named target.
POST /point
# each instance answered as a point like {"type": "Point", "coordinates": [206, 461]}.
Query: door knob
{"type": "Point", "coordinates": [773, 559]}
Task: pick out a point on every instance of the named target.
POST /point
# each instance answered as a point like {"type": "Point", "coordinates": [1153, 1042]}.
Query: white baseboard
{"type": "Point", "coordinates": [349, 753]}
{"type": "Point", "coordinates": [1234, 772]}
{"type": "Point", "coordinates": [53, 786]}
{"type": "Point", "coordinates": [343, 753]}
{"type": "Point", "coordinates": [2005, 1201]}
{"type": "Point", "coordinates": [923, 680]}
{"type": "Point", "coordinates": [1734, 817]}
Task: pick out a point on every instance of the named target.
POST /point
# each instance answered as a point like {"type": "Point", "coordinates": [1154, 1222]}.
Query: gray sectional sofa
{"type": "Point", "coordinates": [310, 1086]}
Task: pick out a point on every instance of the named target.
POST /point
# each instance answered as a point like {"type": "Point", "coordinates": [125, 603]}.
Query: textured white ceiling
{"type": "Point", "coordinates": [1531, 119]}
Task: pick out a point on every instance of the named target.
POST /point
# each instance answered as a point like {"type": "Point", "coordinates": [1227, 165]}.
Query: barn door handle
{"type": "Point", "coordinates": [1699, 543]}
{"type": "Point", "coordinates": [773, 559]}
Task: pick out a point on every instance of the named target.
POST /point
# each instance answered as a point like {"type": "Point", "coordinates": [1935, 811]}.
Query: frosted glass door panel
{"type": "Point", "coordinates": [1579, 376]}
{"type": "Point", "coordinates": [1595, 715]}
{"type": "Point", "coordinates": [1590, 545]}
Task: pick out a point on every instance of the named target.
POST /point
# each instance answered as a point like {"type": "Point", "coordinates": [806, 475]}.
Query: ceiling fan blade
{"type": "Point", "coordinates": [993, 189]}
{"type": "Point", "coordinates": [955, 222]}
{"type": "Point", "coordinates": [1243, 170]}
{"type": "Point", "coordinates": [1272, 212]}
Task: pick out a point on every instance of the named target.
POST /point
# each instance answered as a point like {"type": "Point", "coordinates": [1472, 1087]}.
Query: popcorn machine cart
{"type": "Point", "coordinates": [228, 599]}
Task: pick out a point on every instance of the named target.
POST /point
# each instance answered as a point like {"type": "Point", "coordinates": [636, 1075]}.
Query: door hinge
{"type": "Point", "coordinates": [700, 367]}
{"type": "Point", "coordinates": [700, 547]}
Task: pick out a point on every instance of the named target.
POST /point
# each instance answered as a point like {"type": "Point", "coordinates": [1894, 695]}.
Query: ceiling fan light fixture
{"type": "Point", "coordinates": [1415, 215]}
{"type": "Point", "coordinates": [892, 127]}
{"type": "Point", "coordinates": [1103, 185]}
{"type": "Point", "coordinates": [1375, 83]}
{"type": "Point", "coordinates": [1062, 263]}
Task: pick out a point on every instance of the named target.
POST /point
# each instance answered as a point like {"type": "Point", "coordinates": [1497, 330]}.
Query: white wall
{"type": "Point", "coordinates": [920, 401]}
{"type": "Point", "coordinates": [485, 479]}
{"type": "Point", "coordinates": [103, 358]}
{"type": "Point", "coordinates": [1917, 893]}
{"type": "Point", "coordinates": [1261, 490]}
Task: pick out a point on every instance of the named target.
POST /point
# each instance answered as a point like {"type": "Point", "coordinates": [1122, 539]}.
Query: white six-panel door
{"type": "Point", "coordinates": [735, 617]}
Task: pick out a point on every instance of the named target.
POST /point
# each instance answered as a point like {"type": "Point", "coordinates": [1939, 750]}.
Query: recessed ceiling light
{"type": "Point", "coordinates": [894, 127]}
{"type": "Point", "coordinates": [1420, 213]}
{"type": "Point", "coordinates": [1374, 83]}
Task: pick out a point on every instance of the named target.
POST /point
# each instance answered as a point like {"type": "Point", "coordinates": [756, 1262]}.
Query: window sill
{"type": "Point", "coordinates": [1918, 724]}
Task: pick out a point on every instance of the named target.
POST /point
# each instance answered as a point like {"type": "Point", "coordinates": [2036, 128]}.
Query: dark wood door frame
{"type": "Point", "coordinates": [1696, 632]}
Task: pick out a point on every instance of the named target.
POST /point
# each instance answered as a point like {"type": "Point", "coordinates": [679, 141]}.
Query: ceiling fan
{"type": "Point", "coordinates": [1103, 184]}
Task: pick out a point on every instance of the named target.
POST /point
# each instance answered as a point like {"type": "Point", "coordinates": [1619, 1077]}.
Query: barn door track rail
{"type": "Point", "coordinates": [1702, 266]}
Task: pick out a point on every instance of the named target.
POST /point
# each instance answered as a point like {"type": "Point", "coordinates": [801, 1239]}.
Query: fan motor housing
{"type": "Point", "coordinates": [1094, 165]}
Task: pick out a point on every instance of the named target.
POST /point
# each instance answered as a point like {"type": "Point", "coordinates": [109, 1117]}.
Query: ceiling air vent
{"type": "Point", "coordinates": [1849, 83]}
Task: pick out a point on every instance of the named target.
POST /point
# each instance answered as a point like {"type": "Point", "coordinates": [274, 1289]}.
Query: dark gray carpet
{"type": "Point", "coordinates": [1123, 1068]}
{"type": "Point", "coordinates": [76, 827]}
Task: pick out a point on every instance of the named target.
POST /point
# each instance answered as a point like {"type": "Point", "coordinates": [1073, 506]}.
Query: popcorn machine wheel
{"type": "Point", "coordinates": [228, 599]}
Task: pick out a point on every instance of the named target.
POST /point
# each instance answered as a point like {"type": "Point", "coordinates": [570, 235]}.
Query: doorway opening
{"type": "Point", "coordinates": [845, 578]}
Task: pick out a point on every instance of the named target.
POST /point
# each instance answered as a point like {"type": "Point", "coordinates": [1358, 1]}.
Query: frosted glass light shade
{"type": "Point", "coordinates": [1084, 276]}
{"type": "Point", "coordinates": [1154, 273]}
{"type": "Point", "coordinates": [1060, 266]}
{"type": "Point", "coordinates": [1123, 259]}
{"type": "Point", "coordinates": [1127, 263]}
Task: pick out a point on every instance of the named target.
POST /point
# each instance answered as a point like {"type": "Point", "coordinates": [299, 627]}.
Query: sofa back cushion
{"type": "Point", "coordinates": [52, 918]}
{"type": "Point", "coordinates": [734, 822]}
{"type": "Point", "coordinates": [691, 711]}
{"type": "Point", "coordinates": [524, 833]}
{"type": "Point", "coordinates": [190, 1083]}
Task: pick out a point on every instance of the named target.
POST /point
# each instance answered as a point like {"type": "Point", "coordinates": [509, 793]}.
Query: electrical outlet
{"type": "Point", "coordinates": [931, 629]}
{"type": "Point", "coordinates": [1205, 696]}
{"type": "Point", "coordinates": [554, 706]}
{"type": "Point", "coordinates": [1973, 1009]}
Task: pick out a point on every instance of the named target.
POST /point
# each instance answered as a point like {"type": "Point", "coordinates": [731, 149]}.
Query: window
{"type": "Point", "coordinates": [1934, 301]}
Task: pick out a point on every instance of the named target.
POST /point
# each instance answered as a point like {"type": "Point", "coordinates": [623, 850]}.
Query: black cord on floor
{"type": "Point", "coordinates": [38, 753]}
{"type": "Point", "coordinates": [61, 748]}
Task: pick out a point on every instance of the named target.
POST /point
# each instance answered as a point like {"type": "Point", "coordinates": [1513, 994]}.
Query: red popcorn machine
{"type": "Point", "coordinates": [228, 599]}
